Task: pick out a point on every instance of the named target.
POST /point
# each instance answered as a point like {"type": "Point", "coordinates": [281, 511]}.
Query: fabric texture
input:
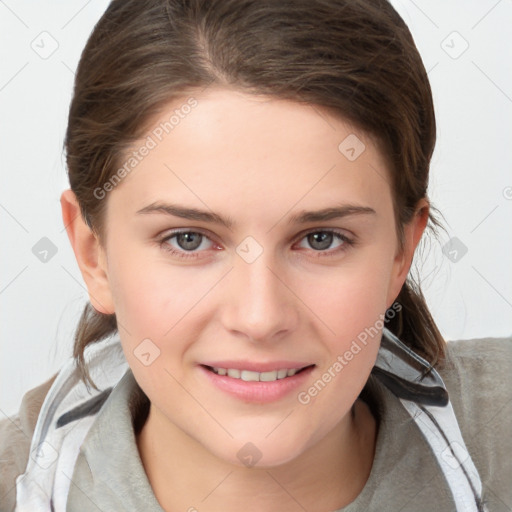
{"type": "Point", "coordinates": [405, 475]}
{"type": "Point", "coordinates": [15, 436]}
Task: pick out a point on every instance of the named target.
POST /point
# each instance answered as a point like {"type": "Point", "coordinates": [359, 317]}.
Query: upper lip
{"type": "Point", "coordinates": [257, 367]}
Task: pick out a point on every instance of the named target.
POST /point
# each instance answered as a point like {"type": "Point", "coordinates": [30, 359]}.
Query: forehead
{"type": "Point", "coordinates": [232, 148]}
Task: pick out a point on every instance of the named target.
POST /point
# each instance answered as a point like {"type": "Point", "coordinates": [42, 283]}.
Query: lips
{"type": "Point", "coordinates": [257, 382]}
{"type": "Point", "coordinates": [253, 376]}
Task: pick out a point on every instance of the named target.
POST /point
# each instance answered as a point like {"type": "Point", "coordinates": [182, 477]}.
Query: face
{"type": "Point", "coordinates": [265, 278]}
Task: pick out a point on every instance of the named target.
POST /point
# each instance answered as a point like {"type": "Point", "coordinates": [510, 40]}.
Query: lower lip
{"type": "Point", "coordinates": [256, 391]}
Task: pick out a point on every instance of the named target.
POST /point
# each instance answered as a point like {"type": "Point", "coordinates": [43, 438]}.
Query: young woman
{"type": "Point", "coordinates": [248, 188]}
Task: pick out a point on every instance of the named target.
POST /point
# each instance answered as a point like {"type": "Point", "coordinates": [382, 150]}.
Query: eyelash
{"type": "Point", "coordinates": [347, 243]}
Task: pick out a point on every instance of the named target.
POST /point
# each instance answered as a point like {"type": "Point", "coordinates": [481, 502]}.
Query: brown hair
{"type": "Point", "coordinates": [354, 58]}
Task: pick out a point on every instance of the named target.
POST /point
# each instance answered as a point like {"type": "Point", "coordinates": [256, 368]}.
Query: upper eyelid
{"type": "Point", "coordinates": [170, 234]}
{"type": "Point", "coordinates": [338, 231]}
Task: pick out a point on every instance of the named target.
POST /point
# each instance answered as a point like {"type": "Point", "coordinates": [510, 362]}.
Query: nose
{"type": "Point", "coordinates": [259, 304]}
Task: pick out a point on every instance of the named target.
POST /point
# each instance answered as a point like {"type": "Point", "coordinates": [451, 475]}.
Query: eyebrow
{"type": "Point", "coordinates": [302, 217]}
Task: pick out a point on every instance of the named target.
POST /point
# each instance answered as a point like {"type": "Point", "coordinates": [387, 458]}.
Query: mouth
{"type": "Point", "coordinates": [253, 376]}
{"type": "Point", "coordinates": [279, 381]}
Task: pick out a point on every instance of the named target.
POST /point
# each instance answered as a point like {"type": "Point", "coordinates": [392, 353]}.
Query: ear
{"type": "Point", "coordinates": [89, 254]}
{"type": "Point", "coordinates": [403, 259]}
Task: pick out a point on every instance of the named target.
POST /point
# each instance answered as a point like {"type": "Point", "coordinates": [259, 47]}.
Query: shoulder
{"type": "Point", "coordinates": [476, 348]}
{"type": "Point", "coordinates": [476, 370]}
{"type": "Point", "coordinates": [477, 374]}
{"type": "Point", "coordinates": [15, 437]}
{"type": "Point", "coordinates": [479, 381]}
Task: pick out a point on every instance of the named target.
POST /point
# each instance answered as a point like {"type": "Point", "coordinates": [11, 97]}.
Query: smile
{"type": "Point", "coordinates": [257, 382]}
{"type": "Point", "coordinates": [252, 376]}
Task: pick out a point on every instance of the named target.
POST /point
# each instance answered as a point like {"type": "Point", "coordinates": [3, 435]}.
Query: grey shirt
{"type": "Point", "coordinates": [405, 475]}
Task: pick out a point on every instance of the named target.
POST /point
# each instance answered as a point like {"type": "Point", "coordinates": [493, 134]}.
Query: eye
{"type": "Point", "coordinates": [189, 244]}
{"type": "Point", "coordinates": [321, 240]}
{"type": "Point", "coordinates": [184, 242]}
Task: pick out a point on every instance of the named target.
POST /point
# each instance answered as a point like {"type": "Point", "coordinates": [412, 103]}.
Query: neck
{"type": "Point", "coordinates": [326, 477]}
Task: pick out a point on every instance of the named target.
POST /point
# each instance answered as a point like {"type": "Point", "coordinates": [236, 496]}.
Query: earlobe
{"type": "Point", "coordinates": [89, 254]}
{"type": "Point", "coordinates": [413, 232]}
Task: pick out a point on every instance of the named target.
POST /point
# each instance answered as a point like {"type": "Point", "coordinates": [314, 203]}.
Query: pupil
{"type": "Point", "coordinates": [186, 240]}
{"type": "Point", "coordinates": [321, 240]}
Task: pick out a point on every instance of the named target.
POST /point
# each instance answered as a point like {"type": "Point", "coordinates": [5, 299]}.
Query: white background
{"type": "Point", "coordinates": [471, 180]}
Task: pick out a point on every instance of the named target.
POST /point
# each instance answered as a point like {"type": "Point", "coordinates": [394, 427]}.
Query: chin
{"type": "Point", "coordinates": [261, 453]}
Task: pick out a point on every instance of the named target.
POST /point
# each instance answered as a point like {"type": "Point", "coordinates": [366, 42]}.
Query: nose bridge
{"type": "Point", "coordinates": [259, 304]}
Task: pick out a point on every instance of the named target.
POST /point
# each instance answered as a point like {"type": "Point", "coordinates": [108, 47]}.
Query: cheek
{"type": "Point", "coordinates": [161, 303]}
{"type": "Point", "coordinates": [150, 296]}
{"type": "Point", "coordinates": [350, 304]}
{"type": "Point", "coordinates": [353, 311]}
{"type": "Point", "coordinates": [350, 298]}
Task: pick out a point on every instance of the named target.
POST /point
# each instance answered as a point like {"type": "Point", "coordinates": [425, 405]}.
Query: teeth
{"type": "Point", "coordinates": [248, 375]}
{"type": "Point", "coordinates": [269, 376]}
